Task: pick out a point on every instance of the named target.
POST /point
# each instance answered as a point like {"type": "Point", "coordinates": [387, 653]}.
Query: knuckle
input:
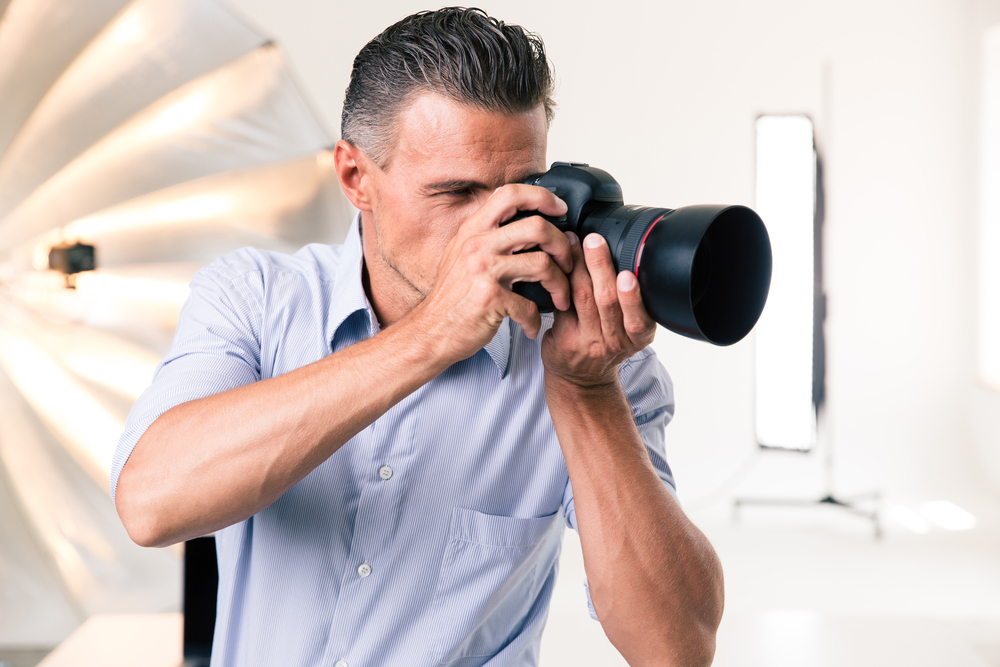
{"type": "Point", "coordinates": [598, 258]}
{"type": "Point", "coordinates": [504, 193]}
{"type": "Point", "coordinates": [485, 291]}
{"type": "Point", "coordinates": [537, 225]}
{"type": "Point", "coordinates": [605, 298]}
{"type": "Point", "coordinates": [583, 296]}
{"type": "Point", "coordinates": [476, 263]}
{"type": "Point", "coordinates": [541, 262]}
{"type": "Point", "coordinates": [637, 330]}
{"type": "Point", "coordinates": [472, 245]}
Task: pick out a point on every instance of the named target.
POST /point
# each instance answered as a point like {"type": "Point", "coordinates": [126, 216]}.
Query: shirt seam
{"type": "Point", "coordinates": [496, 546]}
{"type": "Point", "coordinates": [274, 270]}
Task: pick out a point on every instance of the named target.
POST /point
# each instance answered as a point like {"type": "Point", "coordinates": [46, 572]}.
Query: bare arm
{"type": "Point", "coordinates": [209, 463]}
{"type": "Point", "coordinates": [212, 462]}
{"type": "Point", "coordinates": [654, 579]}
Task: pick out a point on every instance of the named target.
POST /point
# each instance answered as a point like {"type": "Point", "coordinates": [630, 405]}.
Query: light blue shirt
{"type": "Point", "coordinates": [432, 536]}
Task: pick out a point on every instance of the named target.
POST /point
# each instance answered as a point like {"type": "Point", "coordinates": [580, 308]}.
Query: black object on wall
{"type": "Point", "coordinates": [819, 295]}
{"type": "Point", "coordinates": [201, 585]}
{"type": "Point", "coordinates": [71, 260]}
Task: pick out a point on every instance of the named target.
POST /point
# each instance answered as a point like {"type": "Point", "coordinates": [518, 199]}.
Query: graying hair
{"type": "Point", "coordinates": [457, 52]}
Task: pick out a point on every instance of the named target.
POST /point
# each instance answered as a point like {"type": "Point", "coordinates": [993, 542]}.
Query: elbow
{"type": "Point", "coordinates": [693, 647]}
{"type": "Point", "coordinates": [144, 536]}
{"type": "Point", "coordinates": [140, 529]}
{"type": "Point", "coordinates": [141, 520]}
{"type": "Point", "coordinates": [699, 650]}
{"type": "Point", "coordinates": [682, 634]}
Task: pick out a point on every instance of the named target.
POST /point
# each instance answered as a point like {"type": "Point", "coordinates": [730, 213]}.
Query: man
{"type": "Point", "coordinates": [382, 434]}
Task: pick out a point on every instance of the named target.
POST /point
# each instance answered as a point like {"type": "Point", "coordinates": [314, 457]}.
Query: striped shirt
{"type": "Point", "coordinates": [431, 537]}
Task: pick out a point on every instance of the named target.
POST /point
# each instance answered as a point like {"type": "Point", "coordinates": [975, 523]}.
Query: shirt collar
{"type": "Point", "coordinates": [350, 297]}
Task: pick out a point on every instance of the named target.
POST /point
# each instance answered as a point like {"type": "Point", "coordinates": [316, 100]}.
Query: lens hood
{"type": "Point", "coordinates": [704, 271]}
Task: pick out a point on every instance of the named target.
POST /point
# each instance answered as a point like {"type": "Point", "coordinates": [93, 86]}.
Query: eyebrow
{"type": "Point", "coordinates": [457, 184]}
{"type": "Point", "coordinates": [460, 184]}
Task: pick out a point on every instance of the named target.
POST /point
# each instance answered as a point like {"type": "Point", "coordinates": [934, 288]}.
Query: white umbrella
{"type": "Point", "coordinates": [165, 133]}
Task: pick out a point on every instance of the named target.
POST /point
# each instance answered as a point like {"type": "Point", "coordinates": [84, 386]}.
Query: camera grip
{"type": "Point", "coordinates": [535, 292]}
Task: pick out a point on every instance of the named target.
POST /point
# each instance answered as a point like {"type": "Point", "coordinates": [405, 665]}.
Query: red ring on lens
{"type": "Point", "coordinates": [642, 245]}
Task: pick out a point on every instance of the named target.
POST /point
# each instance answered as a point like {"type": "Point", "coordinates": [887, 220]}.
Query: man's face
{"type": "Point", "coordinates": [448, 159]}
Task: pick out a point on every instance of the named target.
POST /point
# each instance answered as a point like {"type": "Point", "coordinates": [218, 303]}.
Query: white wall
{"type": "Point", "coordinates": [985, 401]}
{"type": "Point", "coordinates": [664, 94]}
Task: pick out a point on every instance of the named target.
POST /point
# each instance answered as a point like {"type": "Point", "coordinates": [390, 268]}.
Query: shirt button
{"type": "Point", "coordinates": [363, 570]}
{"type": "Point", "coordinates": [341, 663]}
{"type": "Point", "coordinates": [385, 472]}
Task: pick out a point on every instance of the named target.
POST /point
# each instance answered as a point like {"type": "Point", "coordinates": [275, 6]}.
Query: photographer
{"type": "Point", "coordinates": [382, 434]}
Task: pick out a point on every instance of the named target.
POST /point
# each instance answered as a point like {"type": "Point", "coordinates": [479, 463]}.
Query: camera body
{"type": "Point", "coordinates": [703, 271]}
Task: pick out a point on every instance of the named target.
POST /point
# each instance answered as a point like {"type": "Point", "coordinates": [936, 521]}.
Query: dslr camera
{"type": "Point", "coordinates": [703, 271]}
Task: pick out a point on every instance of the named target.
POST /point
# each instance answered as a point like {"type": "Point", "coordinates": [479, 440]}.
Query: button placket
{"type": "Point", "coordinates": [388, 439]}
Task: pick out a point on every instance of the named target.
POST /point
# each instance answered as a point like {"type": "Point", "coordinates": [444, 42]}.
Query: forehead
{"type": "Point", "coordinates": [439, 138]}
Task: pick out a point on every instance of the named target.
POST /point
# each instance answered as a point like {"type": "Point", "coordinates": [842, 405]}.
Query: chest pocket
{"type": "Point", "coordinates": [490, 586]}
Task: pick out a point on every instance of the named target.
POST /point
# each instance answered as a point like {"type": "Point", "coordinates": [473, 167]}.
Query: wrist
{"type": "Point", "coordinates": [437, 340]}
{"type": "Point", "coordinates": [582, 391]}
{"type": "Point", "coordinates": [424, 345]}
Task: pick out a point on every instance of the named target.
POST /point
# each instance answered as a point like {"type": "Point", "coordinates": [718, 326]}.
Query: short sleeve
{"type": "Point", "coordinates": [216, 347]}
{"type": "Point", "coordinates": [650, 393]}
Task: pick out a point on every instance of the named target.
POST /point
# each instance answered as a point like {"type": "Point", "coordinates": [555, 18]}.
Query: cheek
{"type": "Point", "coordinates": [442, 221]}
{"type": "Point", "coordinates": [421, 229]}
{"type": "Point", "coordinates": [416, 239]}
{"type": "Point", "coordinates": [437, 234]}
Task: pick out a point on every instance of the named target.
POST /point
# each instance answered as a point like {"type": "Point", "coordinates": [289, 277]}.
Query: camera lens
{"type": "Point", "coordinates": [701, 271]}
{"type": "Point", "coordinates": [704, 271]}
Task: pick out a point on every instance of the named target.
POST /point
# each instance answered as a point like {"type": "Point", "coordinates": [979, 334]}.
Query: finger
{"type": "Point", "coordinates": [583, 291]}
{"type": "Point", "coordinates": [506, 201]}
{"type": "Point", "coordinates": [602, 274]}
{"type": "Point", "coordinates": [639, 326]}
{"type": "Point", "coordinates": [535, 267]}
{"type": "Point", "coordinates": [535, 232]}
{"type": "Point", "coordinates": [524, 312]}
{"type": "Point", "coordinates": [568, 318]}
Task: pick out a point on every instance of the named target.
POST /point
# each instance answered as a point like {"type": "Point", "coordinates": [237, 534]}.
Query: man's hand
{"type": "Point", "coordinates": [471, 295]}
{"type": "Point", "coordinates": [606, 325]}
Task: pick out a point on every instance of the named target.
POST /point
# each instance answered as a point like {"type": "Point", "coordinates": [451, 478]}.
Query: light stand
{"type": "Point", "coordinates": [859, 505]}
{"type": "Point", "coordinates": [864, 505]}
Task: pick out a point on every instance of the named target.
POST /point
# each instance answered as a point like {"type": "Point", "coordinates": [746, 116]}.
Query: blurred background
{"type": "Point", "coordinates": [163, 133]}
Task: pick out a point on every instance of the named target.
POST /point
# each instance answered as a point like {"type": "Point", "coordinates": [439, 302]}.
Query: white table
{"type": "Point", "coordinates": [122, 640]}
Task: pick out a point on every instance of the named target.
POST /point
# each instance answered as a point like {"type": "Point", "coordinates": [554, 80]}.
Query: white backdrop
{"type": "Point", "coordinates": [664, 94]}
{"type": "Point", "coordinates": [661, 94]}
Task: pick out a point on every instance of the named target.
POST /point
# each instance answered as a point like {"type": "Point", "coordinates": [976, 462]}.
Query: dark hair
{"type": "Point", "coordinates": [461, 53]}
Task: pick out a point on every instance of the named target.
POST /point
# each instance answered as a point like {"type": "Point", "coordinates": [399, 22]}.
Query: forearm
{"type": "Point", "coordinates": [210, 463]}
{"type": "Point", "coordinates": [654, 579]}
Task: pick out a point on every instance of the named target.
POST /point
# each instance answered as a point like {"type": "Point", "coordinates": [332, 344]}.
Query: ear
{"type": "Point", "coordinates": [354, 172]}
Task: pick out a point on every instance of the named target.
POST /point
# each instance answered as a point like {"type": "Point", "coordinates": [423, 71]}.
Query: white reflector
{"type": "Point", "coordinates": [786, 200]}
